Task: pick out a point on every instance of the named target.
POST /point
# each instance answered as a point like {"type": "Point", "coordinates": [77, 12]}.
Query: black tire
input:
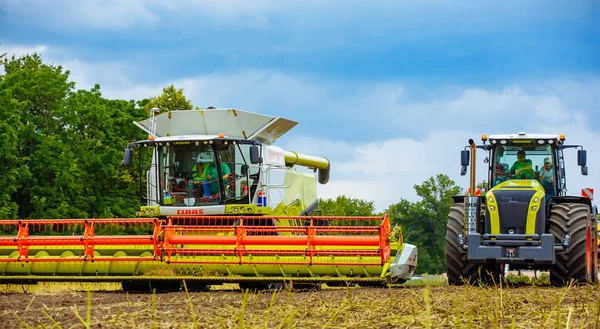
{"type": "Point", "coordinates": [260, 286]}
{"type": "Point", "coordinates": [150, 286]}
{"type": "Point", "coordinates": [339, 284]}
{"type": "Point", "coordinates": [577, 261]}
{"type": "Point", "coordinates": [460, 271]}
{"type": "Point", "coordinates": [195, 286]}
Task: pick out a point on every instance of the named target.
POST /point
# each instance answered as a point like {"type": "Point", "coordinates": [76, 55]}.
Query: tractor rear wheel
{"type": "Point", "coordinates": [577, 262]}
{"type": "Point", "coordinates": [460, 271]}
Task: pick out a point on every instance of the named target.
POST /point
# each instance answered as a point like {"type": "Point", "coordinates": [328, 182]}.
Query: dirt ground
{"type": "Point", "coordinates": [66, 306]}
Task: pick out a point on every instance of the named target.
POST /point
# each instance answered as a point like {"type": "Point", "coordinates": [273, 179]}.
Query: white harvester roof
{"type": "Point", "coordinates": [523, 135]}
{"type": "Point", "coordinates": [209, 123]}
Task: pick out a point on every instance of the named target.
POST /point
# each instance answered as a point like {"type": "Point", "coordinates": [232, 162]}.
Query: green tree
{"type": "Point", "coordinates": [424, 222]}
{"type": "Point", "coordinates": [11, 171]}
{"type": "Point", "coordinates": [345, 206]}
{"type": "Point", "coordinates": [40, 90]}
{"type": "Point", "coordinates": [62, 147]}
{"type": "Point", "coordinates": [171, 99]}
{"type": "Point", "coordinates": [99, 133]}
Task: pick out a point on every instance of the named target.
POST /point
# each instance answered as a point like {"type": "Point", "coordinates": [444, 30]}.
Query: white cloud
{"type": "Point", "coordinates": [19, 51]}
{"type": "Point", "coordinates": [417, 19]}
{"type": "Point", "coordinates": [105, 14]}
{"type": "Point", "coordinates": [385, 169]}
{"type": "Point", "coordinates": [380, 139]}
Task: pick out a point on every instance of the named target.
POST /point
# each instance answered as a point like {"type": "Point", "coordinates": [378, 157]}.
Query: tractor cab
{"type": "Point", "coordinates": [524, 159]}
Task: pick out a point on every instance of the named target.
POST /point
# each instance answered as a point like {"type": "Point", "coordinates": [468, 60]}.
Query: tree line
{"type": "Point", "coordinates": [423, 222]}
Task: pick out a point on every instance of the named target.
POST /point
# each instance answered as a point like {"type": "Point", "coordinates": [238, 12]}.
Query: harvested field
{"type": "Point", "coordinates": [54, 305]}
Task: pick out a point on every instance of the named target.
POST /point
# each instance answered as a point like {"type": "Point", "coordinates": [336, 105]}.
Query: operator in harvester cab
{"type": "Point", "coordinates": [523, 167]}
{"type": "Point", "coordinates": [205, 172]}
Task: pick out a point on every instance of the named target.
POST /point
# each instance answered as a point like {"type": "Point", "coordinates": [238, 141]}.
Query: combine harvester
{"type": "Point", "coordinates": [224, 205]}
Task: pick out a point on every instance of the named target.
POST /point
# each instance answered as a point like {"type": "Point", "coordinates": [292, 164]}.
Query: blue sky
{"type": "Point", "coordinates": [366, 80]}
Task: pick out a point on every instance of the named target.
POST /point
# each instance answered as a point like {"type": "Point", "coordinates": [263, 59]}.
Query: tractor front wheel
{"type": "Point", "coordinates": [460, 271]}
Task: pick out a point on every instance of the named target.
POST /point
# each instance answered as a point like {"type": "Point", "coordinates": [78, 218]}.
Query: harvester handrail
{"type": "Point", "coordinates": [262, 218]}
{"type": "Point", "coordinates": [78, 221]}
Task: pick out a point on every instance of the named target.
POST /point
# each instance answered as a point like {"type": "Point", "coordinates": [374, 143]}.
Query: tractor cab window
{"type": "Point", "coordinates": [189, 175]}
{"type": "Point", "coordinates": [521, 160]}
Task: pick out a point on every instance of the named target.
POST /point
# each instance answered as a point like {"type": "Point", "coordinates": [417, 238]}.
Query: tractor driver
{"type": "Point", "coordinates": [204, 172]}
{"type": "Point", "coordinates": [522, 168]}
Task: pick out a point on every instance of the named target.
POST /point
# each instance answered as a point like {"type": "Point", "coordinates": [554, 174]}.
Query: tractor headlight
{"type": "Point", "coordinates": [534, 208]}
{"type": "Point", "coordinates": [492, 208]}
{"type": "Point", "coordinates": [536, 200]}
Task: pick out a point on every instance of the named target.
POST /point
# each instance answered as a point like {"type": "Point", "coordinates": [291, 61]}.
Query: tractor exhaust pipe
{"type": "Point", "coordinates": [473, 148]}
{"type": "Point", "coordinates": [472, 202]}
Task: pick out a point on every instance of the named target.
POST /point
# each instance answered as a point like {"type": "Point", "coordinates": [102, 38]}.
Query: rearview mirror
{"type": "Point", "coordinates": [584, 171]}
{"type": "Point", "coordinates": [465, 155]}
{"type": "Point", "coordinates": [255, 154]}
{"type": "Point", "coordinates": [127, 157]}
{"type": "Point", "coordinates": [582, 158]}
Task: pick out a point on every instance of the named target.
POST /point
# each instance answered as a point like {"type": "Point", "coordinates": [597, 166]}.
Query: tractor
{"type": "Point", "coordinates": [524, 219]}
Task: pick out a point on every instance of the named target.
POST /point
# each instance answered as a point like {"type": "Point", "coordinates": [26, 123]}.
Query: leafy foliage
{"type": "Point", "coordinates": [424, 222]}
{"type": "Point", "coordinates": [171, 99]}
{"type": "Point", "coordinates": [345, 206]}
{"type": "Point", "coordinates": [62, 147]}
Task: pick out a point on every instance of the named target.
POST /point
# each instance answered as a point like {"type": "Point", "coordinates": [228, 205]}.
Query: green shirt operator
{"type": "Point", "coordinates": [205, 170]}
{"type": "Point", "coordinates": [523, 167]}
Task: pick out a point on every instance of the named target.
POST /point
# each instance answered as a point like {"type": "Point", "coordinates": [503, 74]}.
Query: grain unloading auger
{"type": "Point", "coordinates": [223, 205]}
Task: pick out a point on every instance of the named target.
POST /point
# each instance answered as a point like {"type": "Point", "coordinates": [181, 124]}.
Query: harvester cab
{"type": "Point", "coordinates": [222, 162]}
{"type": "Point", "coordinates": [525, 219]}
{"type": "Point", "coordinates": [222, 204]}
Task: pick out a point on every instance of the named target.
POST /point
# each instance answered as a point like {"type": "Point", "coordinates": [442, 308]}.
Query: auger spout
{"type": "Point", "coordinates": [310, 161]}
